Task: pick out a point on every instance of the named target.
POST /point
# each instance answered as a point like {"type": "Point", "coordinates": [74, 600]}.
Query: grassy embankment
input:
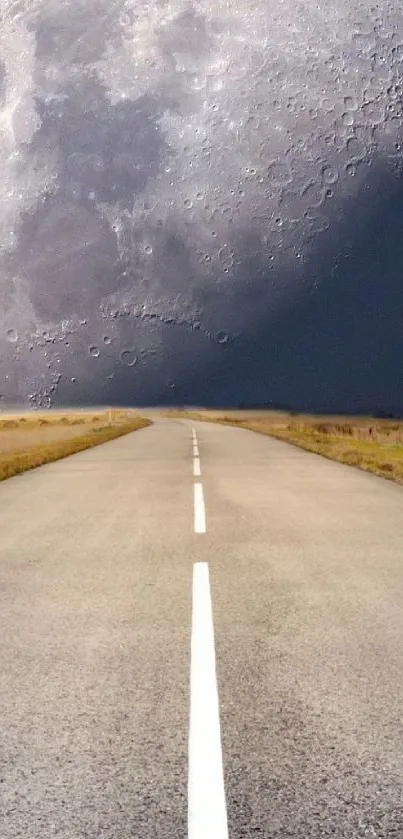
{"type": "Point", "coordinates": [375, 445]}
{"type": "Point", "coordinates": [34, 438]}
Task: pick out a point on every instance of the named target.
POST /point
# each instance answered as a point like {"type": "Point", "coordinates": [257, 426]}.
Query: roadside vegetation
{"type": "Point", "coordinates": [35, 438]}
{"type": "Point", "coordinates": [372, 444]}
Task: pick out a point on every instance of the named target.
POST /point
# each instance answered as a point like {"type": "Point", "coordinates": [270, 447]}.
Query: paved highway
{"type": "Point", "coordinates": [201, 636]}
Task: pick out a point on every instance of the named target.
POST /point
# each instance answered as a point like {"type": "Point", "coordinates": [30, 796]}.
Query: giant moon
{"type": "Point", "coordinates": [201, 203]}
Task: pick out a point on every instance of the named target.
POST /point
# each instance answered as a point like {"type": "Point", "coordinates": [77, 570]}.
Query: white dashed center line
{"type": "Point", "coordinates": [207, 812]}
{"type": "Point", "coordinates": [199, 509]}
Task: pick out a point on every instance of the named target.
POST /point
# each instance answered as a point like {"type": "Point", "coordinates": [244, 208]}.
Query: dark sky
{"type": "Point", "coordinates": [202, 203]}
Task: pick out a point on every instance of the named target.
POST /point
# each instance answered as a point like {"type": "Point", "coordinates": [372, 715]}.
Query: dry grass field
{"type": "Point", "coordinates": [33, 438]}
{"type": "Point", "coordinates": [375, 445]}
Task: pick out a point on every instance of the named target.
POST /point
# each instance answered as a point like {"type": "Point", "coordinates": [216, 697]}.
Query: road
{"type": "Point", "coordinates": [235, 649]}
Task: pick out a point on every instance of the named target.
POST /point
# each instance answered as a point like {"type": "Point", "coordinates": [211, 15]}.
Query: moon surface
{"type": "Point", "coordinates": [201, 203]}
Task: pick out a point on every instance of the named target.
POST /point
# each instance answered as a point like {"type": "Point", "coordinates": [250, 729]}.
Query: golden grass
{"type": "Point", "coordinates": [35, 443]}
{"type": "Point", "coordinates": [375, 445]}
{"type": "Point", "coordinates": [33, 419]}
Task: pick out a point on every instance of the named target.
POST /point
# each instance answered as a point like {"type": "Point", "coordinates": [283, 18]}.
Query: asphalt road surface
{"type": "Point", "coordinates": [201, 635]}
